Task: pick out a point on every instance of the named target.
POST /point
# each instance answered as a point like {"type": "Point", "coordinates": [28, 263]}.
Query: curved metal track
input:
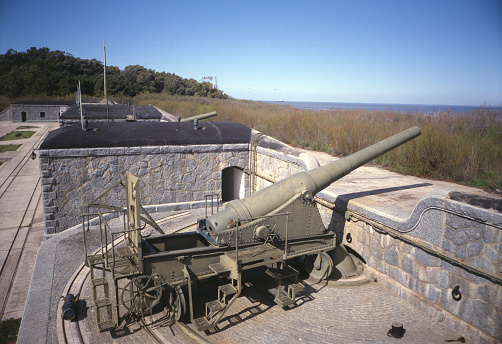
{"type": "Point", "coordinates": [71, 331]}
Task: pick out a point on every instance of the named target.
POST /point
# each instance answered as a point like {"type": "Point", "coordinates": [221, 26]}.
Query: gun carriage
{"type": "Point", "coordinates": [265, 229]}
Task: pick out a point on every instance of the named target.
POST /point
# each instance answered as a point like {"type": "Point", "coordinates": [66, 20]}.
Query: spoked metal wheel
{"type": "Point", "coordinates": [141, 294]}
{"type": "Point", "coordinates": [176, 303]}
{"type": "Point", "coordinates": [319, 266]}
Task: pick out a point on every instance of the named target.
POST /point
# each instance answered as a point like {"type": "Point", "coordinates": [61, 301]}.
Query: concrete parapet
{"type": "Point", "coordinates": [444, 244]}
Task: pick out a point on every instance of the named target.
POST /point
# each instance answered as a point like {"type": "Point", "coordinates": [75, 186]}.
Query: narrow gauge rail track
{"type": "Point", "coordinates": [19, 166]}
{"type": "Point", "coordinates": [10, 265]}
{"type": "Point", "coordinates": [71, 331]}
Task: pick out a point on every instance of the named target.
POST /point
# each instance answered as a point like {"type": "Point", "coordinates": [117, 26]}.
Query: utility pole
{"type": "Point", "coordinates": [79, 102]}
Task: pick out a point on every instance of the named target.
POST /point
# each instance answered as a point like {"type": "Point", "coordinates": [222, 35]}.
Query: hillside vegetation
{"type": "Point", "coordinates": [46, 73]}
{"type": "Point", "coordinates": [465, 148]}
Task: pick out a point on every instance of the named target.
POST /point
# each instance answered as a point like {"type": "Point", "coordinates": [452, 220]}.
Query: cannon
{"type": "Point", "coordinates": [279, 196]}
{"type": "Point", "coordinates": [198, 117]}
{"type": "Point", "coordinates": [265, 230]}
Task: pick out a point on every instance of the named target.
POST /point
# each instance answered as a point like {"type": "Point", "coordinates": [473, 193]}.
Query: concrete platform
{"type": "Point", "coordinates": [324, 314]}
{"type": "Point", "coordinates": [21, 217]}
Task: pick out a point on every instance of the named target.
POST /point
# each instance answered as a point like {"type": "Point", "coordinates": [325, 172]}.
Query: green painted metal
{"type": "Point", "coordinates": [198, 117]}
{"type": "Point", "coordinates": [273, 197]}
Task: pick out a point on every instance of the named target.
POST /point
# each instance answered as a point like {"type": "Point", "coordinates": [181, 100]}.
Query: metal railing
{"type": "Point", "coordinates": [212, 196]}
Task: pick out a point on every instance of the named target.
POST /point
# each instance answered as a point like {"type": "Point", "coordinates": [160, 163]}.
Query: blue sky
{"type": "Point", "coordinates": [446, 52]}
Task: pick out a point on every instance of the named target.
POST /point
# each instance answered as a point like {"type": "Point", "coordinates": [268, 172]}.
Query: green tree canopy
{"type": "Point", "coordinates": [56, 73]}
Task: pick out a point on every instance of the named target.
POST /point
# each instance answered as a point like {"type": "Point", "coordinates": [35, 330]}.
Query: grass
{"type": "Point", "coordinates": [8, 330]}
{"type": "Point", "coordinates": [464, 148]}
{"type": "Point", "coordinates": [8, 148]}
{"type": "Point", "coordinates": [27, 127]}
{"type": "Point", "coordinates": [17, 135]}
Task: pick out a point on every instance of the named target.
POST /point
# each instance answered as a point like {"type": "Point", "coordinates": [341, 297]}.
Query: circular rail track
{"type": "Point", "coordinates": [83, 329]}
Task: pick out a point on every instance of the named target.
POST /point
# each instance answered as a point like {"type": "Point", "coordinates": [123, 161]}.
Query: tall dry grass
{"type": "Point", "coordinates": [465, 148]}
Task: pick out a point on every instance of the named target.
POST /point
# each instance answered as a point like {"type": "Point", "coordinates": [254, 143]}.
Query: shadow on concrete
{"type": "Point", "coordinates": [82, 309]}
{"type": "Point", "coordinates": [343, 200]}
{"type": "Point", "coordinates": [258, 289]}
{"type": "Point", "coordinates": [337, 223]}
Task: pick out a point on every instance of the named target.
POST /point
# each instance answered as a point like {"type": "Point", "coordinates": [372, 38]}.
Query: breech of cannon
{"type": "Point", "coordinates": [269, 199]}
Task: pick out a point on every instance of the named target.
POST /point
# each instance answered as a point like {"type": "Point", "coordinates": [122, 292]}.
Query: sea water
{"type": "Point", "coordinates": [401, 108]}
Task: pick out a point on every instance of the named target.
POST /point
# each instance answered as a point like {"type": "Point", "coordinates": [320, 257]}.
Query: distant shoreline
{"type": "Point", "coordinates": [402, 108]}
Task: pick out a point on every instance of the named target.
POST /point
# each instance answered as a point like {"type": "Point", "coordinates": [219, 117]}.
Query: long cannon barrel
{"type": "Point", "coordinates": [198, 117]}
{"type": "Point", "coordinates": [265, 201]}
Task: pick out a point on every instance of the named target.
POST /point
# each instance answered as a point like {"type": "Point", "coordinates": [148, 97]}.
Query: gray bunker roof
{"type": "Point", "coordinates": [116, 111]}
{"type": "Point", "coordinates": [137, 134]}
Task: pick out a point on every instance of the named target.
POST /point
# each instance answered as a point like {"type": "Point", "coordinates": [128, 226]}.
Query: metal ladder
{"type": "Point", "coordinates": [104, 319]}
{"type": "Point", "coordinates": [235, 263]}
{"type": "Point", "coordinates": [216, 309]}
{"type": "Point", "coordinates": [279, 274]}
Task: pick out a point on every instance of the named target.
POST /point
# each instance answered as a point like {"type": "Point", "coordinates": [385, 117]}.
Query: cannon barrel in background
{"type": "Point", "coordinates": [265, 201]}
{"type": "Point", "coordinates": [198, 117]}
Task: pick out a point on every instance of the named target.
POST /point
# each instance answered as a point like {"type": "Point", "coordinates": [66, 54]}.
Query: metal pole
{"type": "Point", "coordinates": [237, 244]}
{"type": "Point", "coordinates": [106, 92]}
{"type": "Point", "coordinates": [79, 95]}
{"type": "Point", "coordinates": [286, 242]}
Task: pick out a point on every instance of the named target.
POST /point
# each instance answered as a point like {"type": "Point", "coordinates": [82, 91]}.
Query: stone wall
{"type": "Point", "coordinates": [274, 165]}
{"type": "Point", "coordinates": [34, 112]}
{"type": "Point", "coordinates": [463, 236]}
{"type": "Point", "coordinates": [5, 115]}
{"type": "Point", "coordinates": [168, 174]}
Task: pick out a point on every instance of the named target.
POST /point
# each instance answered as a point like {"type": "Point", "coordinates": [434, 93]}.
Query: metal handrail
{"type": "Point", "coordinates": [213, 195]}
{"type": "Point", "coordinates": [250, 219]}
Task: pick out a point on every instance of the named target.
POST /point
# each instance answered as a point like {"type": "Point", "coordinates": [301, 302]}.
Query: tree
{"type": "Point", "coordinates": [56, 73]}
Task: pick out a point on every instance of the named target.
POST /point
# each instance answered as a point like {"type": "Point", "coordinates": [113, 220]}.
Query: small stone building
{"type": "Point", "coordinates": [175, 163]}
{"type": "Point", "coordinates": [38, 110]}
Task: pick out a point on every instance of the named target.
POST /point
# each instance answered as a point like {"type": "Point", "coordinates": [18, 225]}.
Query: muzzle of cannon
{"type": "Point", "coordinates": [279, 197]}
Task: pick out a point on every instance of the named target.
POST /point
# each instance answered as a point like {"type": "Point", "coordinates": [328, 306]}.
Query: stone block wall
{"type": "Point", "coordinates": [33, 112]}
{"type": "Point", "coordinates": [273, 165]}
{"type": "Point", "coordinates": [168, 174]}
{"type": "Point", "coordinates": [6, 115]}
{"type": "Point", "coordinates": [461, 233]}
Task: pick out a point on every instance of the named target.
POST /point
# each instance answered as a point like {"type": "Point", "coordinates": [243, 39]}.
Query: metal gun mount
{"type": "Point", "coordinates": [264, 230]}
{"type": "Point", "coordinates": [293, 194]}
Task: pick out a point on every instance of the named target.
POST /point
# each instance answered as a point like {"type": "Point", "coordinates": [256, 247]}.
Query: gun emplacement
{"type": "Point", "coordinates": [271, 199]}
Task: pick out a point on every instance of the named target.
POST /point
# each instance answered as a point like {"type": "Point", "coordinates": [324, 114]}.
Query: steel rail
{"type": "Point", "coordinates": [13, 174]}
{"type": "Point", "coordinates": [9, 252]}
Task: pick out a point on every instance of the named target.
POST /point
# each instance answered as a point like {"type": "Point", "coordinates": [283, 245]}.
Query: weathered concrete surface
{"type": "Point", "coordinates": [323, 314]}
{"type": "Point", "coordinates": [21, 218]}
{"type": "Point", "coordinates": [390, 192]}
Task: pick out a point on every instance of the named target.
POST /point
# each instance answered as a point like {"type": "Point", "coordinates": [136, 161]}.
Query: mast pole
{"type": "Point", "coordinates": [106, 92]}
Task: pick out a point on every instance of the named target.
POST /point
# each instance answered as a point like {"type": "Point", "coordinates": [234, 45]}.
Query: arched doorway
{"type": "Point", "coordinates": [232, 183]}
